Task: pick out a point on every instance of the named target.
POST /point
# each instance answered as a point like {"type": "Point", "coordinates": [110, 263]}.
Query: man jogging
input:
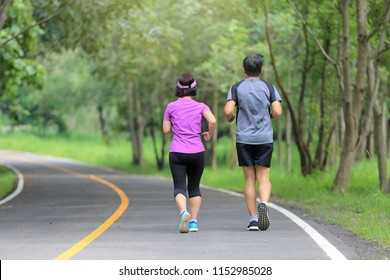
{"type": "Point", "coordinates": [257, 102]}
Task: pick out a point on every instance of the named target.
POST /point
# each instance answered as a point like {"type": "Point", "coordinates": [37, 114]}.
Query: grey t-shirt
{"type": "Point", "coordinates": [253, 100]}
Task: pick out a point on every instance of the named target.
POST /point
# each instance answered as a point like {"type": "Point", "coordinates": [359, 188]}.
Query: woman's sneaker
{"type": "Point", "coordinates": [193, 225]}
{"type": "Point", "coordinates": [253, 226]}
{"type": "Point", "coordinates": [263, 222]}
{"type": "Point", "coordinates": [185, 217]}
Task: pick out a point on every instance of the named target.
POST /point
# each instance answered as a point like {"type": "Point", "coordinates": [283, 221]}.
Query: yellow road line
{"type": "Point", "coordinates": [97, 232]}
{"type": "Point", "coordinates": [105, 225]}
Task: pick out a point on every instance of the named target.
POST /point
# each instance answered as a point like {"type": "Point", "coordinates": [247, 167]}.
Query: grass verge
{"type": "Point", "coordinates": [7, 181]}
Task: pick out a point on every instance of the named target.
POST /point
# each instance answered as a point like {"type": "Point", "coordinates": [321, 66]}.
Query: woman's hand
{"type": "Point", "coordinates": [206, 135]}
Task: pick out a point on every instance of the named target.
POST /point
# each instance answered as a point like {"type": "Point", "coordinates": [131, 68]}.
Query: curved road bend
{"type": "Point", "coordinates": [69, 210]}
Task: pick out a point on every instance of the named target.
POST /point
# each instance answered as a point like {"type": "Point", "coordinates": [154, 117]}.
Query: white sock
{"type": "Point", "coordinates": [253, 218]}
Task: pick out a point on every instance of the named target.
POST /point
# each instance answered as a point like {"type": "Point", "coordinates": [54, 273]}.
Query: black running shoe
{"type": "Point", "coordinates": [253, 226]}
{"type": "Point", "coordinates": [263, 222]}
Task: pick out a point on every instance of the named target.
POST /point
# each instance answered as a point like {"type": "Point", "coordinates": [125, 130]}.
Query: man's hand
{"type": "Point", "coordinates": [230, 118]}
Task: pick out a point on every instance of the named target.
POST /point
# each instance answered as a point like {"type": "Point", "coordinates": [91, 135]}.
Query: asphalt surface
{"type": "Point", "coordinates": [69, 210]}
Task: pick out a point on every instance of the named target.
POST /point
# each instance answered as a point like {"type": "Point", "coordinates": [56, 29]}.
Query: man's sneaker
{"type": "Point", "coordinates": [184, 219]}
{"type": "Point", "coordinates": [263, 216]}
{"type": "Point", "coordinates": [193, 225]}
{"type": "Point", "coordinates": [253, 226]}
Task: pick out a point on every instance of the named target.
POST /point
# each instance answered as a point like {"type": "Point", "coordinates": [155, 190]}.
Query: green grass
{"type": "Point", "coordinates": [363, 210]}
{"type": "Point", "coordinates": [7, 181]}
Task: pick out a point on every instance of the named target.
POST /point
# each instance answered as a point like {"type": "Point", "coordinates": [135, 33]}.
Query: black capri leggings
{"type": "Point", "coordinates": [183, 167]}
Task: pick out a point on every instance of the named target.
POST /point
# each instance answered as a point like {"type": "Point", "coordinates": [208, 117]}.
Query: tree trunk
{"type": "Point", "coordinates": [233, 158]}
{"type": "Point", "coordinates": [279, 141]}
{"type": "Point", "coordinates": [159, 159]}
{"type": "Point", "coordinates": [3, 12]}
{"type": "Point", "coordinates": [371, 145]}
{"type": "Point", "coordinates": [136, 122]}
{"type": "Point", "coordinates": [335, 144]}
{"type": "Point", "coordinates": [352, 104]}
{"type": "Point", "coordinates": [214, 139]}
{"type": "Point", "coordinates": [156, 126]}
{"type": "Point", "coordinates": [156, 106]}
{"type": "Point", "coordinates": [321, 151]}
{"type": "Point", "coordinates": [386, 124]}
{"type": "Point", "coordinates": [308, 167]}
{"type": "Point", "coordinates": [344, 172]}
{"type": "Point", "coordinates": [379, 130]}
{"type": "Point", "coordinates": [288, 141]}
{"type": "Point", "coordinates": [380, 146]}
{"type": "Point", "coordinates": [102, 124]}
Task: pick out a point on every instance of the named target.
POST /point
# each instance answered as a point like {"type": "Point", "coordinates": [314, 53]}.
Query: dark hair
{"type": "Point", "coordinates": [253, 64]}
{"type": "Point", "coordinates": [186, 85]}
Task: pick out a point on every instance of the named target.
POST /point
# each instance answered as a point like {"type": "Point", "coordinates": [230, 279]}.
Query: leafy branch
{"type": "Point", "coordinates": [28, 28]}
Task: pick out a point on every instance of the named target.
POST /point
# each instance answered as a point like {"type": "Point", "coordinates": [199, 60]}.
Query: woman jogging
{"type": "Point", "coordinates": [183, 118]}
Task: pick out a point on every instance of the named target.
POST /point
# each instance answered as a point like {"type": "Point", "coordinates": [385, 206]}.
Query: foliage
{"type": "Point", "coordinates": [33, 29]}
{"type": "Point", "coordinates": [19, 73]}
{"type": "Point", "coordinates": [73, 65]}
{"type": "Point", "coordinates": [76, 24]}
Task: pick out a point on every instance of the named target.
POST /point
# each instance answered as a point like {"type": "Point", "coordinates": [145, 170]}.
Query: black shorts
{"type": "Point", "coordinates": [254, 155]}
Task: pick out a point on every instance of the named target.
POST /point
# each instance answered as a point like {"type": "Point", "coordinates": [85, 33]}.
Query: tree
{"type": "Point", "coordinates": [373, 72]}
{"type": "Point", "coordinates": [352, 105]}
{"type": "Point", "coordinates": [136, 60]}
{"type": "Point", "coordinates": [32, 28]}
{"type": "Point", "coordinates": [353, 87]}
{"type": "Point", "coordinates": [299, 116]}
{"type": "Point", "coordinates": [222, 70]}
{"type": "Point", "coordinates": [148, 26]}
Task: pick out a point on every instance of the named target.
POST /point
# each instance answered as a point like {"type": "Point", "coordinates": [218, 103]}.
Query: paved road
{"type": "Point", "coordinates": [69, 210]}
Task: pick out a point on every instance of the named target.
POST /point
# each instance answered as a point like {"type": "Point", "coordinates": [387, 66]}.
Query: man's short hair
{"type": "Point", "coordinates": [253, 64]}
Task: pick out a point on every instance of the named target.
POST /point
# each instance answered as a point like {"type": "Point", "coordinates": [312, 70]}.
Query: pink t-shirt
{"type": "Point", "coordinates": [186, 117]}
